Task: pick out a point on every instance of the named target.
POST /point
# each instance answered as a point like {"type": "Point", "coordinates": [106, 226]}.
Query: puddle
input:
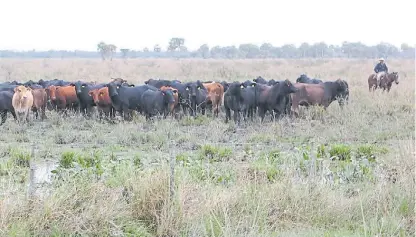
{"type": "Point", "coordinates": [40, 176]}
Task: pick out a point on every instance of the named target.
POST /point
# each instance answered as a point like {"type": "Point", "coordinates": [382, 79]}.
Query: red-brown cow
{"type": "Point", "coordinates": [215, 95]}
{"type": "Point", "coordinates": [102, 99]}
{"type": "Point", "coordinates": [39, 102]}
{"type": "Point", "coordinates": [63, 97]}
{"type": "Point", "coordinates": [175, 95]}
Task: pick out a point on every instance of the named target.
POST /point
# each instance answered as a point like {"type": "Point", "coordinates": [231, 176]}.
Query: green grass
{"type": "Point", "coordinates": [338, 172]}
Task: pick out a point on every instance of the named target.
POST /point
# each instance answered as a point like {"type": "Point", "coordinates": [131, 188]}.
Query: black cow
{"type": "Point", "coordinates": [233, 100]}
{"type": "Point", "coordinates": [158, 83]}
{"type": "Point", "coordinates": [305, 79]}
{"type": "Point", "coordinates": [157, 102]}
{"type": "Point", "coordinates": [125, 98]}
{"type": "Point", "coordinates": [86, 102]}
{"type": "Point", "coordinates": [336, 90]}
{"type": "Point", "coordinates": [260, 80]}
{"type": "Point", "coordinates": [225, 85]}
{"type": "Point", "coordinates": [272, 82]}
{"type": "Point", "coordinates": [196, 95]}
{"type": "Point", "coordinates": [240, 97]}
{"type": "Point", "coordinates": [344, 96]}
{"type": "Point", "coordinates": [7, 87]}
{"type": "Point", "coordinates": [6, 105]}
{"type": "Point", "coordinates": [274, 98]}
{"type": "Point", "coordinates": [54, 82]}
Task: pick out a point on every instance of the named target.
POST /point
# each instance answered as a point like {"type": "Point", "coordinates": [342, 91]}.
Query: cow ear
{"type": "Point", "coordinates": [15, 89]}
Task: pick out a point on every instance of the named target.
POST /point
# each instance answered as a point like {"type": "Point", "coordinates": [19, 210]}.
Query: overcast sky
{"type": "Point", "coordinates": [135, 24]}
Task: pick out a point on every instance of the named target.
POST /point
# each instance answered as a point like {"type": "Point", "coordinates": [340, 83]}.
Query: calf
{"type": "Point", "coordinates": [157, 102]}
{"type": "Point", "coordinates": [215, 92]}
{"type": "Point", "coordinates": [39, 102]}
{"type": "Point", "coordinates": [22, 102]}
{"type": "Point", "coordinates": [102, 99]}
{"type": "Point", "coordinates": [6, 105]}
{"type": "Point", "coordinates": [175, 105]}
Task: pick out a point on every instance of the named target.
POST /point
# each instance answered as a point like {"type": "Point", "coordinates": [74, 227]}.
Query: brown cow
{"type": "Point", "coordinates": [215, 95]}
{"type": "Point", "coordinates": [63, 97]}
{"type": "Point", "coordinates": [102, 99]}
{"type": "Point", "coordinates": [386, 80]}
{"type": "Point", "coordinates": [175, 95]}
{"type": "Point", "coordinates": [372, 82]}
{"type": "Point", "coordinates": [22, 102]}
{"type": "Point", "coordinates": [39, 102]}
{"type": "Point", "coordinates": [318, 94]}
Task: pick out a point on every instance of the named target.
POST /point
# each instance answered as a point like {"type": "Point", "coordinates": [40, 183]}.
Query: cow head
{"type": "Point", "coordinates": [287, 87]}
{"type": "Point", "coordinates": [112, 89]}
{"type": "Point", "coordinates": [342, 91]}
{"type": "Point", "coordinates": [260, 80]}
{"type": "Point", "coordinates": [51, 91]}
{"type": "Point", "coordinates": [22, 91]}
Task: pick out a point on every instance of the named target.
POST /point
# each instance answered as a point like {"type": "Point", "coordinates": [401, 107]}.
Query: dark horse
{"type": "Point", "coordinates": [386, 81]}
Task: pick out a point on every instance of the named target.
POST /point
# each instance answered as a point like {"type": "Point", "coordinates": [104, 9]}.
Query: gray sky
{"type": "Point", "coordinates": [135, 24]}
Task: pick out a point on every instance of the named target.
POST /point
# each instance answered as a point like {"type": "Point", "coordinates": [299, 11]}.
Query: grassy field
{"type": "Point", "coordinates": [347, 172]}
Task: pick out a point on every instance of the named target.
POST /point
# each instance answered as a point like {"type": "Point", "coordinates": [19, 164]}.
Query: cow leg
{"type": "Point", "coordinates": [227, 114]}
{"type": "Point", "coordinates": [42, 112]}
{"type": "Point", "coordinates": [262, 113]}
{"type": "Point", "coordinates": [235, 115]}
{"type": "Point", "coordinates": [3, 117]}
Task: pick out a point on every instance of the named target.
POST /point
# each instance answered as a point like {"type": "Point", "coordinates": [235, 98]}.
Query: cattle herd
{"type": "Point", "coordinates": [169, 98]}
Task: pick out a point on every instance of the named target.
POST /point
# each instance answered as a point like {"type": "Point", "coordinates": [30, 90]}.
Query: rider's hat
{"type": "Point", "coordinates": [381, 59]}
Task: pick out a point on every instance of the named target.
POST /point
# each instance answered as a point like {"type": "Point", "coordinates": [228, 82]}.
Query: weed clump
{"type": "Point", "coordinates": [215, 154]}
{"type": "Point", "coordinates": [20, 158]}
{"type": "Point", "coordinates": [341, 151]}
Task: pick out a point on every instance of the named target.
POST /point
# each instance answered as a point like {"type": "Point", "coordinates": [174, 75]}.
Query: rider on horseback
{"type": "Point", "coordinates": [380, 69]}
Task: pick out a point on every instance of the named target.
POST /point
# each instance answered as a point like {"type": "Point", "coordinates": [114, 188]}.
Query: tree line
{"type": "Point", "coordinates": [176, 48]}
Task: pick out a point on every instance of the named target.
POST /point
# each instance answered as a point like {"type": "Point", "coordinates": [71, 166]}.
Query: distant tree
{"type": "Point", "coordinates": [102, 48]}
{"type": "Point", "coordinates": [289, 51]}
{"type": "Point", "coordinates": [176, 44]}
{"type": "Point", "coordinates": [407, 51]}
{"type": "Point", "coordinates": [249, 50]}
{"type": "Point", "coordinates": [124, 52]}
{"type": "Point", "coordinates": [203, 51]}
{"type": "Point", "coordinates": [146, 49]}
{"type": "Point", "coordinates": [319, 50]}
{"type": "Point", "coordinates": [266, 50]}
{"type": "Point", "coordinates": [106, 50]}
{"type": "Point", "coordinates": [231, 52]}
{"type": "Point", "coordinates": [157, 48]}
{"type": "Point", "coordinates": [304, 50]}
{"type": "Point", "coordinates": [111, 50]}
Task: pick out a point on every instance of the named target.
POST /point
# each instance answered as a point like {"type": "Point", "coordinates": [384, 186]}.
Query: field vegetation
{"type": "Point", "coordinates": [340, 172]}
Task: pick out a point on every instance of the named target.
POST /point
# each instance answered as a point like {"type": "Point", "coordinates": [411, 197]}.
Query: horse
{"type": "Point", "coordinates": [372, 82]}
{"type": "Point", "coordinates": [387, 79]}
